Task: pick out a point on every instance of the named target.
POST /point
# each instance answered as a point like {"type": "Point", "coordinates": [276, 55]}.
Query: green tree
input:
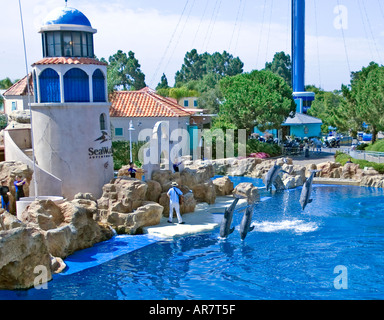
{"type": "Point", "coordinates": [259, 98]}
{"type": "Point", "coordinates": [223, 64]}
{"type": "Point", "coordinates": [282, 66]}
{"type": "Point", "coordinates": [6, 83]}
{"type": "Point", "coordinates": [326, 107]}
{"type": "Point", "coordinates": [364, 100]}
{"type": "Point", "coordinates": [124, 72]}
{"type": "Point", "coordinates": [196, 66]}
{"type": "Point", "coordinates": [193, 68]}
{"type": "Point", "coordinates": [182, 92]}
{"type": "Point", "coordinates": [210, 97]}
{"type": "Point", "coordinates": [163, 84]}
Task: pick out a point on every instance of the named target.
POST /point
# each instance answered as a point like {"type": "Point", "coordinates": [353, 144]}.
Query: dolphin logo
{"type": "Point", "coordinates": [272, 175]}
{"type": "Point", "coordinates": [245, 225]}
{"type": "Point", "coordinates": [307, 189]}
{"type": "Point", "coordinates": [104, 137]}
{"type": "Point", "coordinates": [225, 227]}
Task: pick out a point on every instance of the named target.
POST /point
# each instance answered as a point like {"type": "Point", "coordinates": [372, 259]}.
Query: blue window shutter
{"type": "Point", "coordinates": [35, 86]}
{"type": "Point", "coordinates": [98, 83]}
{"type": "Point", "coordinates": [49, 81]}
{"type": "Point", "coordinates": [76, 86]}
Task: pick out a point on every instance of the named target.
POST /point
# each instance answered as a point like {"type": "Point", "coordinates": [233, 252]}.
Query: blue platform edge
{"type": "Point", "coordinates": [105, 251]}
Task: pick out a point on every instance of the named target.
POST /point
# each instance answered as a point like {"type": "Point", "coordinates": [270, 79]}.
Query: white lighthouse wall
{"type": "Point", "coordinates": [66, 145]}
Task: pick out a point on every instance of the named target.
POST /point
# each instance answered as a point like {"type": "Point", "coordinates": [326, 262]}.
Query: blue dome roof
{"type": "Point", "coordinates": [66, 15]}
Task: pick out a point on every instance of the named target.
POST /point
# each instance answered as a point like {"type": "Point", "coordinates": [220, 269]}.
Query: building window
{"type": "Point", "coordinates": [195, 104]}
{"type": "Point", "coordinates": [118, 132]}
{"type": "Point", "coordinates": [68, 44]}
{"type": "Point", "coordinates": [186, 104]}
{"type": "Point", "coordinates": [98, 84]}
{"type": "Point", "coordinates": [103, 122]}
{"type": "Point", "coordinates": [76, 86]}
{"type": "Point", "coordinates": [49, 81]}
{"type": "Point", "coordinates": [14, 105]}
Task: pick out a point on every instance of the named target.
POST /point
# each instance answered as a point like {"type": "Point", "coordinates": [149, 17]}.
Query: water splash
{"type": "Point", "coordinates": [297, 226]}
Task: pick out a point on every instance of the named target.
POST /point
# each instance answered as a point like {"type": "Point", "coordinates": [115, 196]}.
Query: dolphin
{"type": "Point", "coordinates": [245, 225]}
{"type": "Point", "coordinates": [225, 227]}
{"type": "Point", "coordinates": [272, 174]}
{"type": "Point", "coordinates": [307, 189]}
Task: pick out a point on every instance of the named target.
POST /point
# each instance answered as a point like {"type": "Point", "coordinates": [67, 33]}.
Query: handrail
{"type": "Point", "coordinates": [373, 156]}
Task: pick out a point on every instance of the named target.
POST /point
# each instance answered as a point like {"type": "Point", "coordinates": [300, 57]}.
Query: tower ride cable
{"type": "Point", "coordinates": [241, 24]}
{"type": "Point", "coordinates": [288, 28]}
{"type": "Point", "coordinates": [200, 23]}
{"type": "Point", "coordinates": [181, 33]}
{"type": "Point", "coordinates": [372, 35]}
{"type": "Point", "coordinates": [235, 26]}
{"type": "Point", "coordinates": [210, 30]}
{"type": "Point", "coordinates": [317, 42]}
{"type": "Point", "coordinates": [29, 101]}
{"type": "Point", "coordinates": [269, 31]}
{"type": "Point", "coordinates": [169, 43]}
{"type": "Point", "coordinates": [261, 33]}
{"type": "Point", "coordinates": [381, 8]}
{"type": "Point", "coordinates": [209, 25]}
{"type": "Point", "coordinates": [345, 44]}
{"type": "Point", "coordinates": [365, 30]}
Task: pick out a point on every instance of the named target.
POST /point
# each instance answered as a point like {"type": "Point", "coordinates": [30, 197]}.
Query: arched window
{"type": "Point", "coordinates": [98, 83]}
{"type": "Point", "coordinates": [76, 86]}
{"type": "Point", "coordinates": [49, 81]}
{"type": "Point", "coordinates": [103, 125]}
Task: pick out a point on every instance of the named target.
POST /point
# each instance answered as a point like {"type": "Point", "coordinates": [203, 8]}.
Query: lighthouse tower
{"type": "Point", "coordinates": [70, 115]}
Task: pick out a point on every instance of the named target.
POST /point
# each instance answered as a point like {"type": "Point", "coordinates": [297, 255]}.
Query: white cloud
{"type": "Point", "coordinates": [148, 32]}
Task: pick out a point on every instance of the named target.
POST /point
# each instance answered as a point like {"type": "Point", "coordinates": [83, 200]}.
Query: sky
{"type": "Point", "coordinates": [341, 35]}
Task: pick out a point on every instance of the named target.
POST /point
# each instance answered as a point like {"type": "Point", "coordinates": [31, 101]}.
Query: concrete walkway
{"type": "Point", "coordinates": [315, 157]}
{"type": "Point", "coordinates": [205, 218]}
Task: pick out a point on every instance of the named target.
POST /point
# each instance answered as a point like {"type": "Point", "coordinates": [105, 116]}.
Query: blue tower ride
{"type": "Point", "coordinates": [301, 125]}
{"type": "Point", "coordinates": [303, 99]}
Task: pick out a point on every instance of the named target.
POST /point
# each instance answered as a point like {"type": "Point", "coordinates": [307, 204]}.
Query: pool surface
{"type": "Point", "coordinates": [290, 254]}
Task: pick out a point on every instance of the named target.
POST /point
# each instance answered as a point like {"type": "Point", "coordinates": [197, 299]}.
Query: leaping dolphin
{"type": "Point", "coordinates": [245, 225]}
{"type": "Point", "coordinates": [306, 191]}
{"type": "Point", "coordinates": [225, 227]}
{"type": "Point", "coordinates": [272, 174]}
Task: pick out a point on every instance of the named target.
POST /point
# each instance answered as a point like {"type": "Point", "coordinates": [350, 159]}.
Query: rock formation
{"type": "Point", "coordinates": [68, 226]}
{"type": "Point", "coordinates": [223, 186]}
{"type": "Point", "coordinates": [22, 249]}
{"type": "Point", "coordinates": [247, 190]}
{"type": "Point", "coordinates": [124, 205]}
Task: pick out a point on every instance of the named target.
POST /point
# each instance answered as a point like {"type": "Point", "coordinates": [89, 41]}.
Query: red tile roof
{"type": "Point", "coordinates": [64, 60]}
{"type": "Point", "coordinates": [144, 103]}
{"type": "Point", "coordinates": [20, 87]}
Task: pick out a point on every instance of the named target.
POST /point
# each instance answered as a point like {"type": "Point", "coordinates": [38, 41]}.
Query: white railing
{"type": "Point", "coordinates": [371, 156]}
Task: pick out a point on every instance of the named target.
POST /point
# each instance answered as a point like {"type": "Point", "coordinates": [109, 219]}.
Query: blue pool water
{"type": "Point", "coordinates": [290, 255]}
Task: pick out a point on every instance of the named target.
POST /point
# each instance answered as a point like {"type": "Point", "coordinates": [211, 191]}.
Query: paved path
{"type": "Point", "coordinates": [315, 157]}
